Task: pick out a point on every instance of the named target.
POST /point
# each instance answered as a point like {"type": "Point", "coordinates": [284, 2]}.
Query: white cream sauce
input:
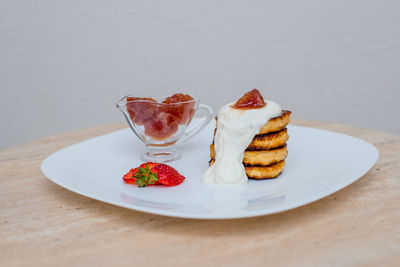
{"type": "Point", "coordinates": [236, 129]}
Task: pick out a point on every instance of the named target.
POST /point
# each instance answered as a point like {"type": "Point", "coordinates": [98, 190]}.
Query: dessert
{"type": "Point", "coordinates": [249, 141]}
{"type": "Point", "coordinates": [184, 111]}
{"type": "Point", "coordinates": [151, 173]}
{"type": "Point", "coordinates": [259, 158]}
{"type": "Point", "coordinates": [161, 120]}
{"type": "Point", "coordinates": [140, 109]}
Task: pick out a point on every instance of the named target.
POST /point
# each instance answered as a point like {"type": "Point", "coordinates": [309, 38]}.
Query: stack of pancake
{"type": "Point", "coordinates": [265, 157]}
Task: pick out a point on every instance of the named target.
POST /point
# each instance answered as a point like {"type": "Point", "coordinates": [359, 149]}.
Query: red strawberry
{"type": "Point", "coordinates": [141, 175]}
{"type": "Point", "coordinates": [128, 178]}
{"type": "Point", "coordinates": [149, 164]}
{"type": "Point", "coordinates": [167, 175]}
{"type": "Point", "coordinates": [151, 173]}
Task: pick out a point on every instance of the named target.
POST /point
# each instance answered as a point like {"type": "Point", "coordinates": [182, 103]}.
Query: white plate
{"type": "Point", "coordinates": [319, 164]}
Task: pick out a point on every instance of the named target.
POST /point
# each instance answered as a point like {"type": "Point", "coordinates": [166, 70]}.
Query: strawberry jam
{"type": "Point", "coordinates": [161, 120]}
{"type": "Point", "coordinates": [139, 110]}
{"type": "Point", "coordinates": [161, 125]}
{"type": "Point", "coordinates": [181, 106]}
{"type": "Point", "coordinates": [250, 100]}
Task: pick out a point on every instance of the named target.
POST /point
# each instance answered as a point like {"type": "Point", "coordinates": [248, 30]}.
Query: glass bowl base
{"type": "Point", "coordinates": [160, 155]}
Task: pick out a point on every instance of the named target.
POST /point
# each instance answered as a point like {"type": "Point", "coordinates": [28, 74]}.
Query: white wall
{"type": "Point", "coordinates": [64, 64]}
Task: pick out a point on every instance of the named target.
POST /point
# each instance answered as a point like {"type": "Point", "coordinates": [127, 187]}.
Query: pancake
{"type": "Point", "coordinates": [260, 158]}
{"type": "Point", "coordinates": [267, 172]}
{"type": "Point", "coordinates": [262, 172]}
{"type": "Point", "coordinates": [265, 157]}
{"type": "Point", "coordinates": [277, 123]}
{"type": "Point", "coordinates": [269, 141]}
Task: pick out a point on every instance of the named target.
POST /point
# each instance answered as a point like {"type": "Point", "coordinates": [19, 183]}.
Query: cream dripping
{"type": "Point", "coordinates": [236, 129]}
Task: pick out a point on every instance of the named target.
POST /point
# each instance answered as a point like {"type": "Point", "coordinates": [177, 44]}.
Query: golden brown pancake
{"type": "Point", "coordinates": [275, 124]}
{"type": "Point", "coordinates": [265, 157]}
{"type": "Point", "coordinates": [269, 141]}
{"type": "Point", "coordinates": [265, 172]}
{"type": "Point", "coordinates": [262, 172]}
{"type": "Point", "coordinates": [260, 158]}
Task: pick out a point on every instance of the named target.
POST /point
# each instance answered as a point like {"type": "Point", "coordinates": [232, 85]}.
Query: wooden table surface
{"type": "Point", "coordinates": [43, 224]}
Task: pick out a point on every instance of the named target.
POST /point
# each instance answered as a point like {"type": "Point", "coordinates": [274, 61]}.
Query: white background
{"type": "Point", "coordinates": [64, 64]}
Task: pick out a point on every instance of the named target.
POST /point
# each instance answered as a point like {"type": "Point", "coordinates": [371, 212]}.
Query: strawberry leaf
{"type": "Point", "coordinates": [145, 177]}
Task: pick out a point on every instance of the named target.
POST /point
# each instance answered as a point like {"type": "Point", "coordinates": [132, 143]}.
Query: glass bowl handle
{"type": "Point", "coordinates": [203, 111]}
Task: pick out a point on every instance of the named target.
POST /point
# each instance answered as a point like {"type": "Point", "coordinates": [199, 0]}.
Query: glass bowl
{"type": "Point", "coordinates": [160, 126]}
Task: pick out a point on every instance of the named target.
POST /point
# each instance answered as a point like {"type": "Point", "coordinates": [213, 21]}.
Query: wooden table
{"type": "Point", "coordinates": [42, 224]}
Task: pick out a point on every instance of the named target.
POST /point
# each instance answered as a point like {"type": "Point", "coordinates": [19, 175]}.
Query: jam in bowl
{"type": "Point", "coordinates": [162, 122]}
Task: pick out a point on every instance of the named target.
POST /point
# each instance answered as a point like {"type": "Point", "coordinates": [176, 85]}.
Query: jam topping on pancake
{"type": "Point", "coordinates": [250, 100]}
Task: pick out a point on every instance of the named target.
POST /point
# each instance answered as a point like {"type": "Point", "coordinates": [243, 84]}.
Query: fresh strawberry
{"type": "Point", "coordinates": [151, 173]}
{"type": "Point", "coordinates": [141, 175]}
{"type": "Point", "coordinates": [128, 178]}
{"type": "Point", "coordinates": [144, 176]}
{"type": "Point", "coordinates": [149, 164]}
{"type": "Point", "coordinates": [167, 175]}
